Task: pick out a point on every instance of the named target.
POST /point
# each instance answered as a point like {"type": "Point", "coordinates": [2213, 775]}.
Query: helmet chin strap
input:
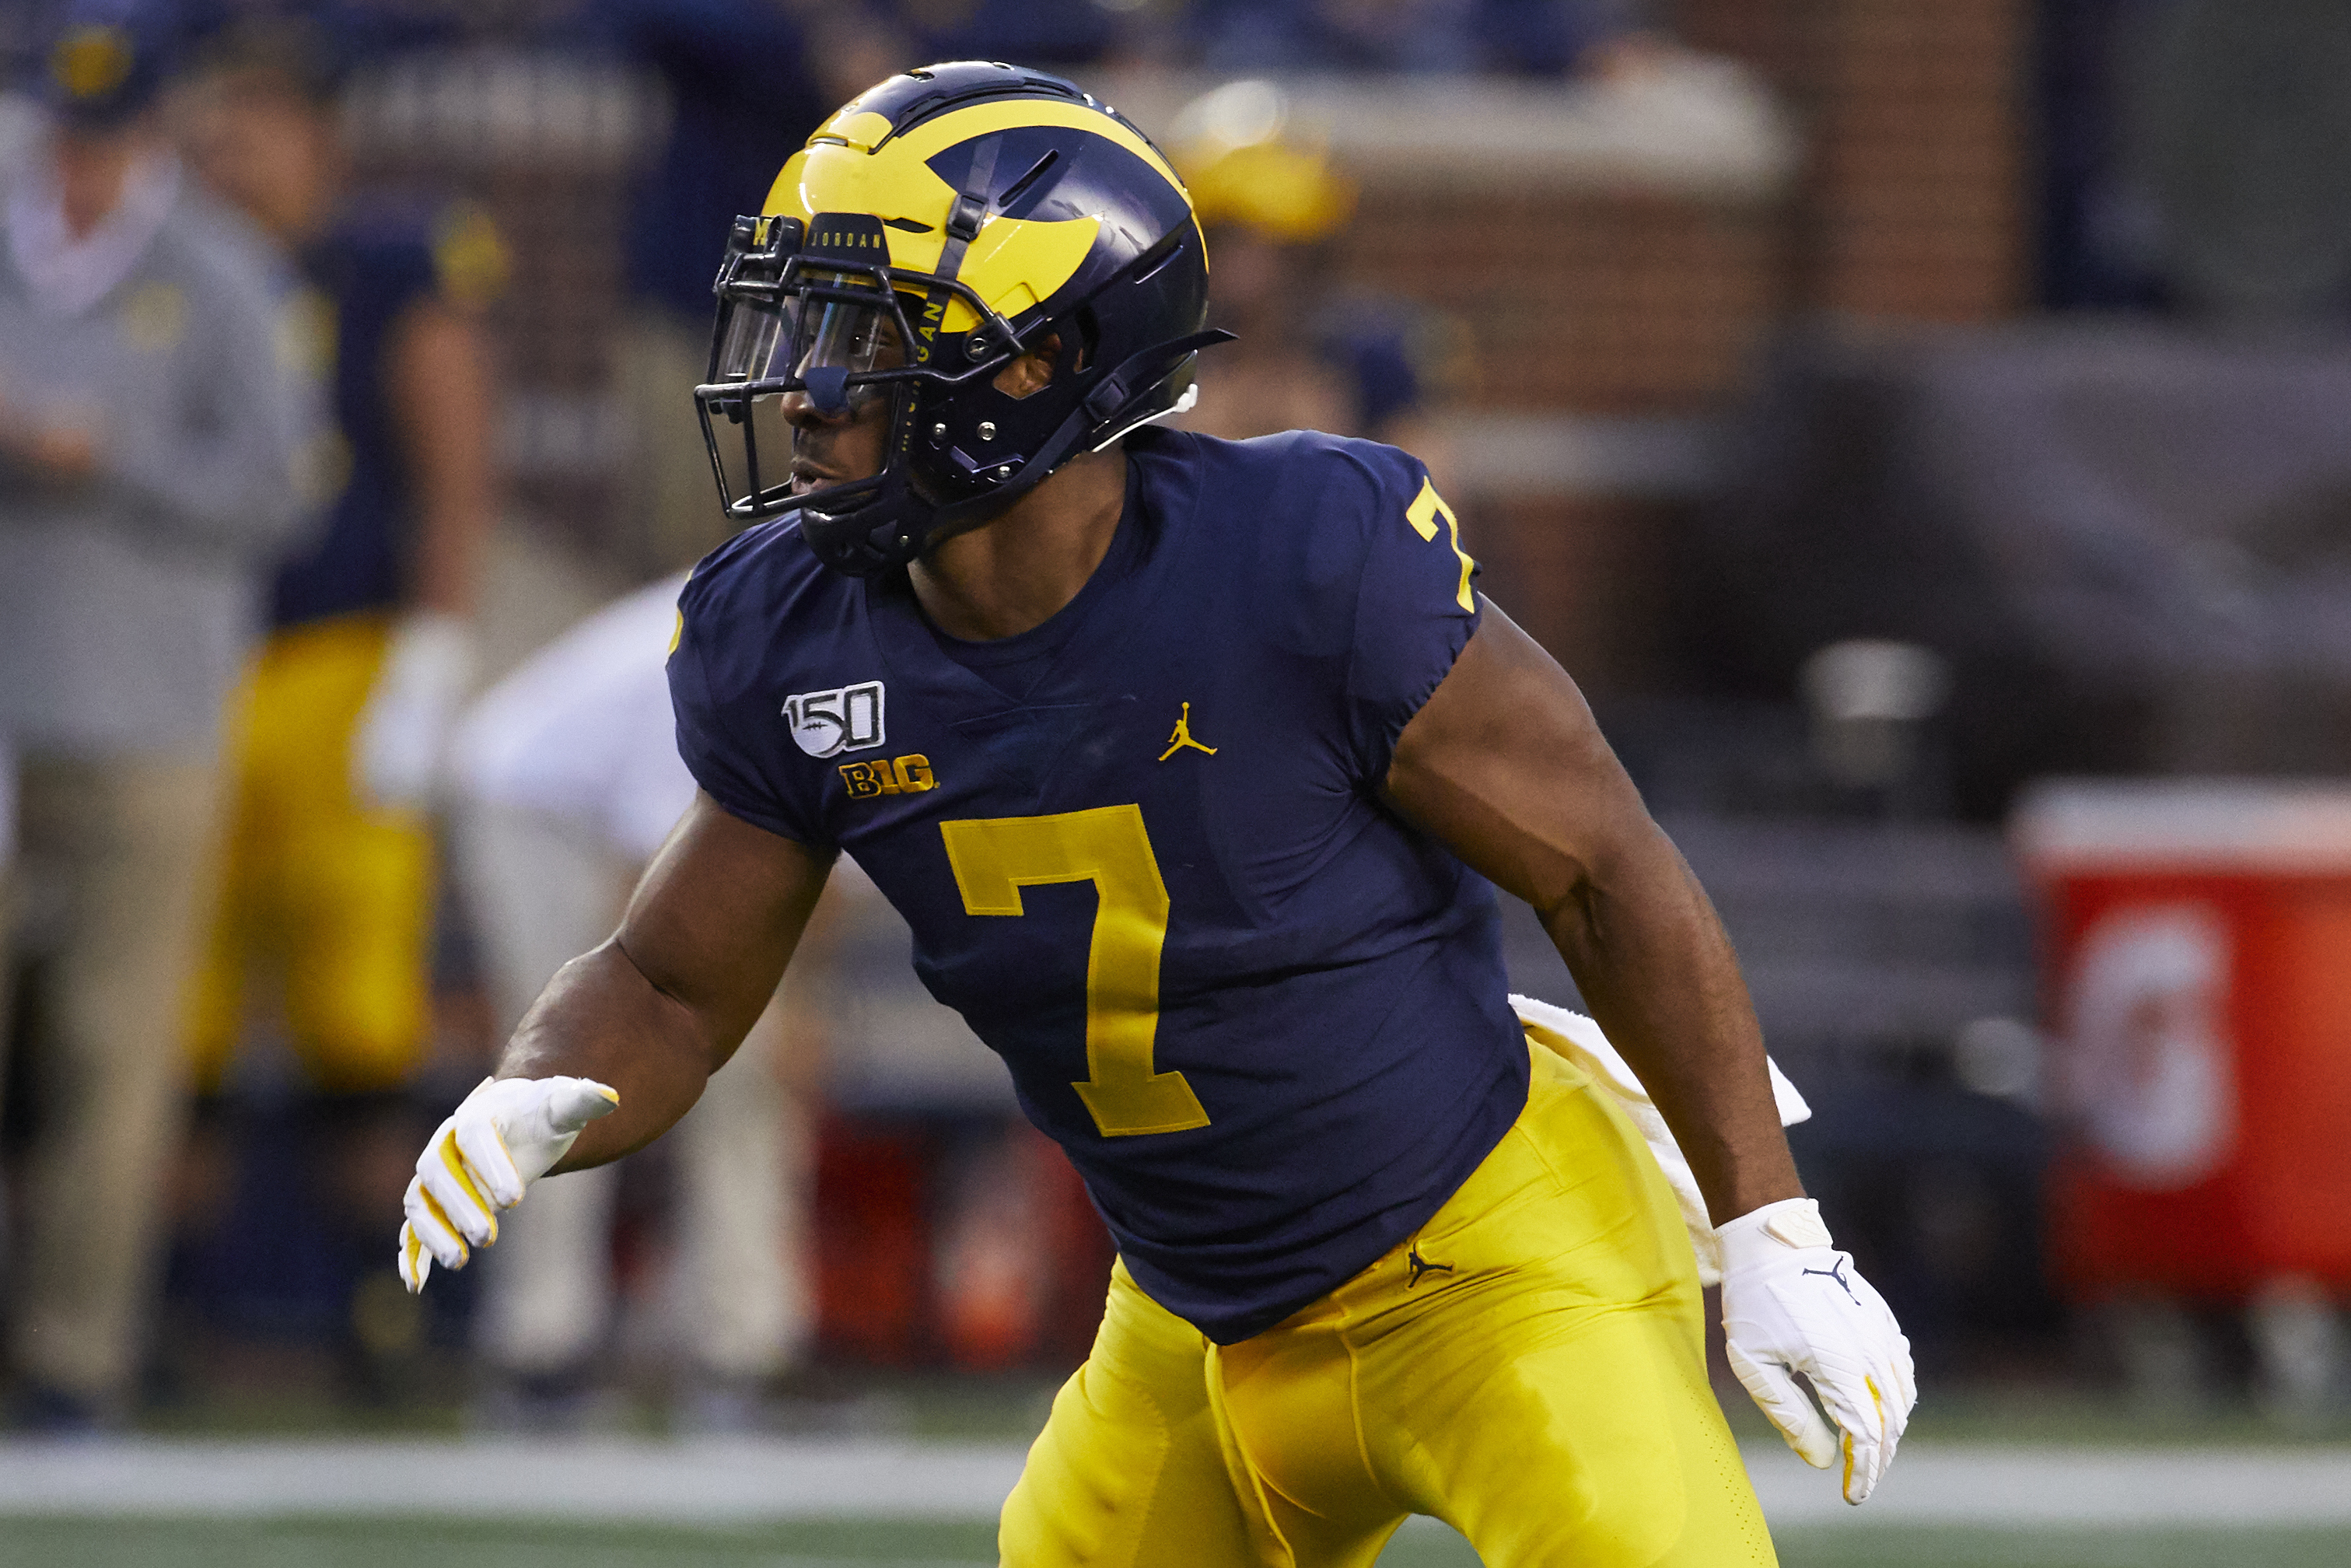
{"type": "Point", "coordinates": [1111, 396]}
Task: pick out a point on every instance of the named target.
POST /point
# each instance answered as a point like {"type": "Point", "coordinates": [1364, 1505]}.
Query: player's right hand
{"type": "Point", "coordinates": [504, 1136]}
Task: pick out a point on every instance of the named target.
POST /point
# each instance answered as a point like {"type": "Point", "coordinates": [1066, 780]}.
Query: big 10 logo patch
{"type": "Point", "coordinates": [847, 718]}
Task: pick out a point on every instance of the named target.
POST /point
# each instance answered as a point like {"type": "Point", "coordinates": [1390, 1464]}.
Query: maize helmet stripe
{"type": "Point", "coordinates": [1015, 264]}
{"type": "Point", "coordinates": [861, 131]}
{"type": "Point", "coordinates": [935, 136]}
{"type": "Point", "coordinates": [1006, 264]}
{"type": "Point", "coordinates": [853, 126]}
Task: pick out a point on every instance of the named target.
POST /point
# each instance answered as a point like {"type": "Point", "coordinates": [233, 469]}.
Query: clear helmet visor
{"type": "Point", "coordinates": [829, 328]}
{"type": "Point", "coordinates": [822, 340]}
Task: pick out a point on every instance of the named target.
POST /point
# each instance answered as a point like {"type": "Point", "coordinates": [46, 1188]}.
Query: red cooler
{"type": "Point", "coordinates": [2196, 953]}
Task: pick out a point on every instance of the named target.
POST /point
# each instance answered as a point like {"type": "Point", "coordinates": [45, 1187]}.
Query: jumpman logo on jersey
{"type": "Point", "coordinates": [1183, 738]}
{"type": "Point", "coordinates": [1417, 1266]}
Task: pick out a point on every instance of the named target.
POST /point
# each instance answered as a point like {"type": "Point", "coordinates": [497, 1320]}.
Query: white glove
{"type": "Point", "coordinates": [502, 1138]}
{"type": "Point", "coordinates": [404, 728]}
{"type": "Point", "coordinates": [1792, 1302]}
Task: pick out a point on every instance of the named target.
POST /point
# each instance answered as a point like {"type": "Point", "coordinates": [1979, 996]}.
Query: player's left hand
{"type": "Point", "coordinates": [404, 728]}
{"type": "Point", "coordinates": [1791, 1303]}
{"type": "Point", "coordinates": [502, 1137]}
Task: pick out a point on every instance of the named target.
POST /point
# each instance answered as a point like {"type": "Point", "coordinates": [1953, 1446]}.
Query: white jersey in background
{"type": "Point", "coordinates": [582, 729]}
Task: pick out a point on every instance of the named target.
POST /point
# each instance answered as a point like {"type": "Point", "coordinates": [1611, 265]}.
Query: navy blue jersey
{"type": "Point", "coordinates": [1266, 1019]}
{"type": "Point", "coordinates": [366, 273]}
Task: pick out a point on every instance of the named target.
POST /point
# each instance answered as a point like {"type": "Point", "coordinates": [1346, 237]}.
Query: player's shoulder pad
{"type": "Point", "coordinates": [1293, 522]}
{"type": "Point", "coordinates": [762, 578]}
{"type": "Point", "coordinates": [758, 612]}
{"type": "Point", "coordinates": [1320, 475]}
{"type": "Point", "coordinates": [1304, 494]}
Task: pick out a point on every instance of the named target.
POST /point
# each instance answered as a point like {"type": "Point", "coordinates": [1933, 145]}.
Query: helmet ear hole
{"type": "Point", "coordinates": [1033, 371]}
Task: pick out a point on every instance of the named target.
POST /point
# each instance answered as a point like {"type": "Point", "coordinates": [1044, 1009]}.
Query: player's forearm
{"type": "Point", "coordinates": [602, 1018]}
{"type": "Point", "coordinates": [449, 554]}
{"type": "Point", "coordinates": [1653, 963]}
{"type": "Point", "coordinates": [1506, 766]}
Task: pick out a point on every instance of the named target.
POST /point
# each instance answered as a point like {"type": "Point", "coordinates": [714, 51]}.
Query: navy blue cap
{"type": "Point", "coordinates": [106, 60]}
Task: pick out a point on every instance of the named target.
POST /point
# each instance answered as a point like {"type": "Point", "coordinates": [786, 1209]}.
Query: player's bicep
{"type": "Point", "coordinates": [1505, 765]}
{"type": "Point", "coordinates": [716, 915]}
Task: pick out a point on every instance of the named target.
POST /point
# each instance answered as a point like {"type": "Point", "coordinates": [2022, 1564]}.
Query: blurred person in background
{"type": "Point", "coordinates": [339, 726]}
{"type": "Point", "coordinates": [1310, 355]}
{"type": "Point", "coordinates": [741, 99]}
{"type": "Point", "coordinates": [153, 430]}
{"type": "Point", "coordinates": [568, 779]}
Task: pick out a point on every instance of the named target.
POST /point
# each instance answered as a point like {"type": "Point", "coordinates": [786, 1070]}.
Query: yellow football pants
{"type": "Point", "coordinates": [1530, 1368]}
{"type": "Point", "coordinates": [337, 898]}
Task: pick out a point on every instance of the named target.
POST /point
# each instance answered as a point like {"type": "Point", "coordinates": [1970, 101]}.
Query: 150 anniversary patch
{"type": "Point", "coordinates": [847, 718]}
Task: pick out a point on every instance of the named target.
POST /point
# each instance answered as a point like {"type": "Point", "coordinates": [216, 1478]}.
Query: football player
{"type": "Point", "coordinates": [1193, 765]}
{"type": "Point", "coordinates": [341, 717]}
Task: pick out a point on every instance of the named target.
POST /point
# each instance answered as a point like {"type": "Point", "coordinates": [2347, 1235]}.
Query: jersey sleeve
{"type": "Point", "coordinates": [454, 256]}
{"type": "Point", "coordinates": [1415, 606]}
{"type": "Point", "coordinates": [714, 716]}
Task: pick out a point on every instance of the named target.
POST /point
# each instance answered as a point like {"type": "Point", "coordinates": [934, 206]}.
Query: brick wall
{"type": "Point", "coordinates": [1595, 301]}
{"type": "Point", "coordinates": [1912, 204]}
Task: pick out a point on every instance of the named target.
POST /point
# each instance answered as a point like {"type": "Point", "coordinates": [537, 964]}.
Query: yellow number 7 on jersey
{"type": "Point", "coordinates": [994, 858]}
{"type": "Point", "coordinates": [1426, 509]}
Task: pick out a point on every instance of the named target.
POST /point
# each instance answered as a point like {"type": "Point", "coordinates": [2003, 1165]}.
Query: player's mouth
{"type": "Point", "coordinates": [808, 477]}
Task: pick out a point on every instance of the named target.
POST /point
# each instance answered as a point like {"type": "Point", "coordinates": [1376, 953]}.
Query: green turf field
{"type": "Point", "coordinates": [1879, 1546]}
{"type": "Point", "coordinates": [386, 1544]}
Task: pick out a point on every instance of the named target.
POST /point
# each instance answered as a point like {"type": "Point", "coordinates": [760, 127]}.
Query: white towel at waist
{"type": "Point", "coordinates": [1578, 1039]}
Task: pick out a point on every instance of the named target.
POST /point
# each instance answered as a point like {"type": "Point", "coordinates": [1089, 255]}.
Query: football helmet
{"type": "Point", "coordinates": [937, 228]}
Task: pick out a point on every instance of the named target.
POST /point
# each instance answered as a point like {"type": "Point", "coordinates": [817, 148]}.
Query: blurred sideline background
{"type": "Point", "coordinates": [1920, 428]}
